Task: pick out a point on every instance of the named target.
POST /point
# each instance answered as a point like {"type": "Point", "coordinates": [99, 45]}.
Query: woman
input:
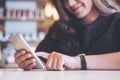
{"type": "Point", "coordinates": [88, 27]}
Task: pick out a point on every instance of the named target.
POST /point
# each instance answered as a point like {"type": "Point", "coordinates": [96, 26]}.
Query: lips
{"type": "Point", "coordinates": [77, 8]}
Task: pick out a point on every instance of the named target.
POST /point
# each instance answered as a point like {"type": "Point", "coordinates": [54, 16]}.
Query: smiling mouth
{"type": "Point", "coordinates": [77, 9]}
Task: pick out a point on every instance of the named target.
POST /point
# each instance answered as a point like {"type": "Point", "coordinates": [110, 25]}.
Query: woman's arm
{"type": "Point", "coordinates": [104, 61]}
{"type": "Point", "coordinates": [58, 61]}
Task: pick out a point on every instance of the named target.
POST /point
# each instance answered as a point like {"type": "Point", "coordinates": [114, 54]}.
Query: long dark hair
{"type": "Point", "coordinates": [65, 30]}
{"type": "Point", "coordinates": [64, 36]}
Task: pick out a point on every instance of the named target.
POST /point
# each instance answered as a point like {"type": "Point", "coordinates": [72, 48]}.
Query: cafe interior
{"type": "Point", "coordinates": [32, 19]}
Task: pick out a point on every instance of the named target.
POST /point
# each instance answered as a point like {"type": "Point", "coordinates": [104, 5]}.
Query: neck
{"type": "Point", "coordinates": [91, 17]}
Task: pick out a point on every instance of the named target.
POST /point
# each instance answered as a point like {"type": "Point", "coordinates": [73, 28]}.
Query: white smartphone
{"type": "Point", "coordinates": [19, 43]}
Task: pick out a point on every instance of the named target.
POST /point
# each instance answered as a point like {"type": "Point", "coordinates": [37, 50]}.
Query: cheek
{"type": "Point", "coordinates": [87, 7]}
{"type": "Point", "coordinates": [88, 4]}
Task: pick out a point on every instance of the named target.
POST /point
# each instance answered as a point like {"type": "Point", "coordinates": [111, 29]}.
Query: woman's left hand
{"type": "Point", "coordinates": [58, 61]}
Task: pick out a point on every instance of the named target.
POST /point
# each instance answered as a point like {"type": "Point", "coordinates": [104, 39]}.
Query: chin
{"type": "Point", "coordinates": [79, 16]}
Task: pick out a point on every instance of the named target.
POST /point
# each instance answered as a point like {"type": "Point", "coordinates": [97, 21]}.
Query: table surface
{"type": "Point", "coordinates": [19, 74]}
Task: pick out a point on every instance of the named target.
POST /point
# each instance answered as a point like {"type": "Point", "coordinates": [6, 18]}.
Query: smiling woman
{"type": "Point", "coordinates": [85, 26]}
{"type": "Point", "coordinates": [79, 8]}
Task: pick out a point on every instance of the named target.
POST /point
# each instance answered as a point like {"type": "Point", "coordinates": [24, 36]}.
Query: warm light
{"type": "Point", "coordinates": [48, 10]}
{"type": "Point", "coordinates": [55, 14]}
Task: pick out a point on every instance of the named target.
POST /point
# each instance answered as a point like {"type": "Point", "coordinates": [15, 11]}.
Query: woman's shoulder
{"type": "Point", "coordinates": [55, 28]}
{"type": "Point", "coordinates": [114, 19]}
{"type": "Point", "coordinates": [60, 26]}
{"type": "Point", "coordinates": [117, 19]}
{"type": "Point", "coordinates": [116, 16]}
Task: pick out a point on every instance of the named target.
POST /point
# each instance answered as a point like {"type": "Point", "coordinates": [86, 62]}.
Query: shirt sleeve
{"type": "Point", "coordinates": [47, 45]}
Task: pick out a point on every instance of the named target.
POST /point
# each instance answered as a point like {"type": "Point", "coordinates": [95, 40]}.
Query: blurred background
{"type": "Point", "coordinates": [30, 18]}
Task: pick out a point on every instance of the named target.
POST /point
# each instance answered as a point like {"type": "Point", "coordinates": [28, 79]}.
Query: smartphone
{"type": "Point", "coordinates": [19, 43]}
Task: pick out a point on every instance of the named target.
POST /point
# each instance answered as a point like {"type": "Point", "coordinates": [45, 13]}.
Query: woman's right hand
{"type": "Point", "coordinates": [24, 59]}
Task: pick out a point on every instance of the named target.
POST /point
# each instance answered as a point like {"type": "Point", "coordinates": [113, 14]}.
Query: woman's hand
{"type": "Point", "coordinates": [57, 61]}
{"type": "Point", "coordinates": [24, 60]}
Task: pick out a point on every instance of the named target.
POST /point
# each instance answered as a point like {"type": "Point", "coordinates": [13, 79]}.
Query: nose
{"type": "Point", "coordinates": [71, 3]}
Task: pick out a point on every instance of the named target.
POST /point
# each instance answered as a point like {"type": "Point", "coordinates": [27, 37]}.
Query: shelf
{"type": "Point", "coordinates": [17, 19]}
{"type": "Point", "coordinates": [2, 19]}
{"type": "Point", "coordinates": [25, 0]}
{"type": "Point", "coordinates": [20, 0]}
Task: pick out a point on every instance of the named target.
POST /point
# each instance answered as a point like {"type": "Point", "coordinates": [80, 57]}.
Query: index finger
{"type": "Point", "coordinates": [19, 53]}
{"type": "Point", "coordinates": [42, 54]}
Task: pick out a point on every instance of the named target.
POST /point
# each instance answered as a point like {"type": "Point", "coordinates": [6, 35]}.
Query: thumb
{"type": "Point", "coordinates": [42, 54]}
